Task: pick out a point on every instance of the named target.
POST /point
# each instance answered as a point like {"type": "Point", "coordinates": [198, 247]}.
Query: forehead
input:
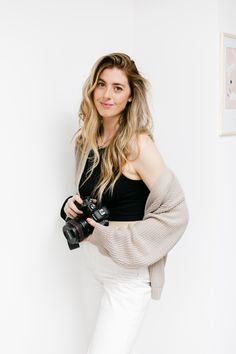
{"type": "Point", "coordinates": [114, 75]}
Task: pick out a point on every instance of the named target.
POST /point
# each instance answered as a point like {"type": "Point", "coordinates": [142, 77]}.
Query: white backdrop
{"type": "Point", "coordinates": [47, 50]}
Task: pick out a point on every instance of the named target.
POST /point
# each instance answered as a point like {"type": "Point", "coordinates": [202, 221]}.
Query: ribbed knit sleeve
{"type": "Point", "coordinates": [147, 241]}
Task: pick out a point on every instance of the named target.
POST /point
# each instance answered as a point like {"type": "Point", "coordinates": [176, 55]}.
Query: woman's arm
{"type": "Point", "coordinates": [149, 164]}
{"type": "Point", "coordinates": [69, 209]}
{"type": "Point", "coordinates": [165, 218]}
{"type": "Point", "coordinates": [62, 212]}
{"type": "Point", "coordinates": [147, 241]}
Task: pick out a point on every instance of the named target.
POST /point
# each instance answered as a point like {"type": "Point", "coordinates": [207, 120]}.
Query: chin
{"type": "Point", "coordinates": [108, 114]}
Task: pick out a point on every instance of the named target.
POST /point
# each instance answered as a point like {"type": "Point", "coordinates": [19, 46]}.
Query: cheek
{"type": "Point", "coordinates": [95, 95]}
{"type": "Point", "coordinates": [122, 101]}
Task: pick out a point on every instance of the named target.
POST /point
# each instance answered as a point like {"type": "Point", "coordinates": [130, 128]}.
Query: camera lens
{"type": "Point", "coordinates": [73, 231]}
{"type": "Point", "coordinates": [70, 233]}
{"type": "Point", "coordinates": [77, 229]}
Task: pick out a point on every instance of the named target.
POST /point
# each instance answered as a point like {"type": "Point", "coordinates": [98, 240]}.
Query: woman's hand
{"type": "Point", "coordinates": [92, 223]}
{"type": "Point", "coordinates": [70, 209]}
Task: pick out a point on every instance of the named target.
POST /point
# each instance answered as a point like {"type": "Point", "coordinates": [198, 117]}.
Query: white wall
{"type": "Point", "coordinates": [47, 49]}
{"type": "Point", "coordinates": [226, 242]}
{"type": "Point", "coordinates": [180, 41]}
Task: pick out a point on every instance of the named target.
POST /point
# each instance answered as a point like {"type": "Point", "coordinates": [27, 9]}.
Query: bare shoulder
{"type": "Point", "coordinates": [145, 142]}
{"type": "Point", "coordinates": [137, 144]}
{"type": "Point", "coordinates": [148, 163]}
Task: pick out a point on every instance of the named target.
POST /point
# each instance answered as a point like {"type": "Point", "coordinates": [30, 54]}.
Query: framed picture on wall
{"type": "Point", "coordinates": [227, 116]}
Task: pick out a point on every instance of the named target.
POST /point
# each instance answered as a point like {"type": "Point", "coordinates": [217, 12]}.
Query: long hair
{"type": "Point", "coordinates": [135, 119]}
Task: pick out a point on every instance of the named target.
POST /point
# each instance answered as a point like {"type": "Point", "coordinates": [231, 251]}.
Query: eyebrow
{"type": "Point", "coordinates": [115, 83]}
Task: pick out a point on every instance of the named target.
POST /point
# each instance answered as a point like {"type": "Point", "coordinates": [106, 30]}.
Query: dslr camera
{"type": "Point", "coordinates": [77, 229]}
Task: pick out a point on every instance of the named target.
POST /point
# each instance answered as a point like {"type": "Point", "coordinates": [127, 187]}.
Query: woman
{"type": "Point", "coordinates": [119, 165]}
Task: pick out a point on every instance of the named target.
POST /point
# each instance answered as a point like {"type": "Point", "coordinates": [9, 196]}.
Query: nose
{"type": "Point", "coordinates": [107, 93]}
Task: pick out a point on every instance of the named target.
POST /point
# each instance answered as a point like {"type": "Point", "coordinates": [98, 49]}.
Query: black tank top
{"type": "Point", "coordinates": [129, 196]}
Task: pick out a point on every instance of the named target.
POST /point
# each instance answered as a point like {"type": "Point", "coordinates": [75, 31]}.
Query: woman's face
{"type": "Point", "coordinates": [112, 93]}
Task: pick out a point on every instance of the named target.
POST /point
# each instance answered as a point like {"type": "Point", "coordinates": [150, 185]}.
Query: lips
{"type": "Point", "coordinates": [106, 105]}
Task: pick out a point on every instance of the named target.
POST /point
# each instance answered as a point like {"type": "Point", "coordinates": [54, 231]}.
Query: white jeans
{"type": "Point", "coordinates": [125, 297]}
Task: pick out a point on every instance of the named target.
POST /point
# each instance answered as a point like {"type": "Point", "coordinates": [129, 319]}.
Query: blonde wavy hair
{"type": "Point", "coordinates": [135, 119]}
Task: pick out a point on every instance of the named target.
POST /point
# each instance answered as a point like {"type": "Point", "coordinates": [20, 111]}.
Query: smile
{"type": "Point", "coordinates": [106, 105]}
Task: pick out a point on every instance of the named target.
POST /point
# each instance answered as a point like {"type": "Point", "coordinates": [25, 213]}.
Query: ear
{"type": "Point", "coordinates": [130, 99]}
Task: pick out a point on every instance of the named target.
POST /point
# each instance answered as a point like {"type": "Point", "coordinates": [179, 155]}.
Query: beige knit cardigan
{"type": "Point", "coordinates": [148, 241]}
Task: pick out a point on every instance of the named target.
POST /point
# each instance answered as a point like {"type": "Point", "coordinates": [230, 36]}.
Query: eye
{"type": "Point", "coordinates": [100, 84]}
{"type": "Point", "coordinates": [117, 88]}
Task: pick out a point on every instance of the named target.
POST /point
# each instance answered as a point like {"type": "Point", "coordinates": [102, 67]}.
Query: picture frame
{"type": "Point", "coordinates": [227, 116]}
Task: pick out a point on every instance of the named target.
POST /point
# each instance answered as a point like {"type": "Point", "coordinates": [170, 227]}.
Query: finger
{"type": "Point", "coordinates": [91, 222]}
{"type": "Point", "coordinates": [78, 199]}
{"type": "Point", "coordinates": [70, 213]}
{"type": "Point", "coordinates": [75, 209]}
{"type": "Point", "coordinates": [72, 207]}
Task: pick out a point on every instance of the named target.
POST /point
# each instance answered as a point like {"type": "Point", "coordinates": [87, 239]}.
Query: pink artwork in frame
{"type": "Point", "coordinates": [227, 121]}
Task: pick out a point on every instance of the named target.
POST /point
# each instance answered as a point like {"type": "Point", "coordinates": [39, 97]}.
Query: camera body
{"type": "Point", "coordinates": [77, 229]}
